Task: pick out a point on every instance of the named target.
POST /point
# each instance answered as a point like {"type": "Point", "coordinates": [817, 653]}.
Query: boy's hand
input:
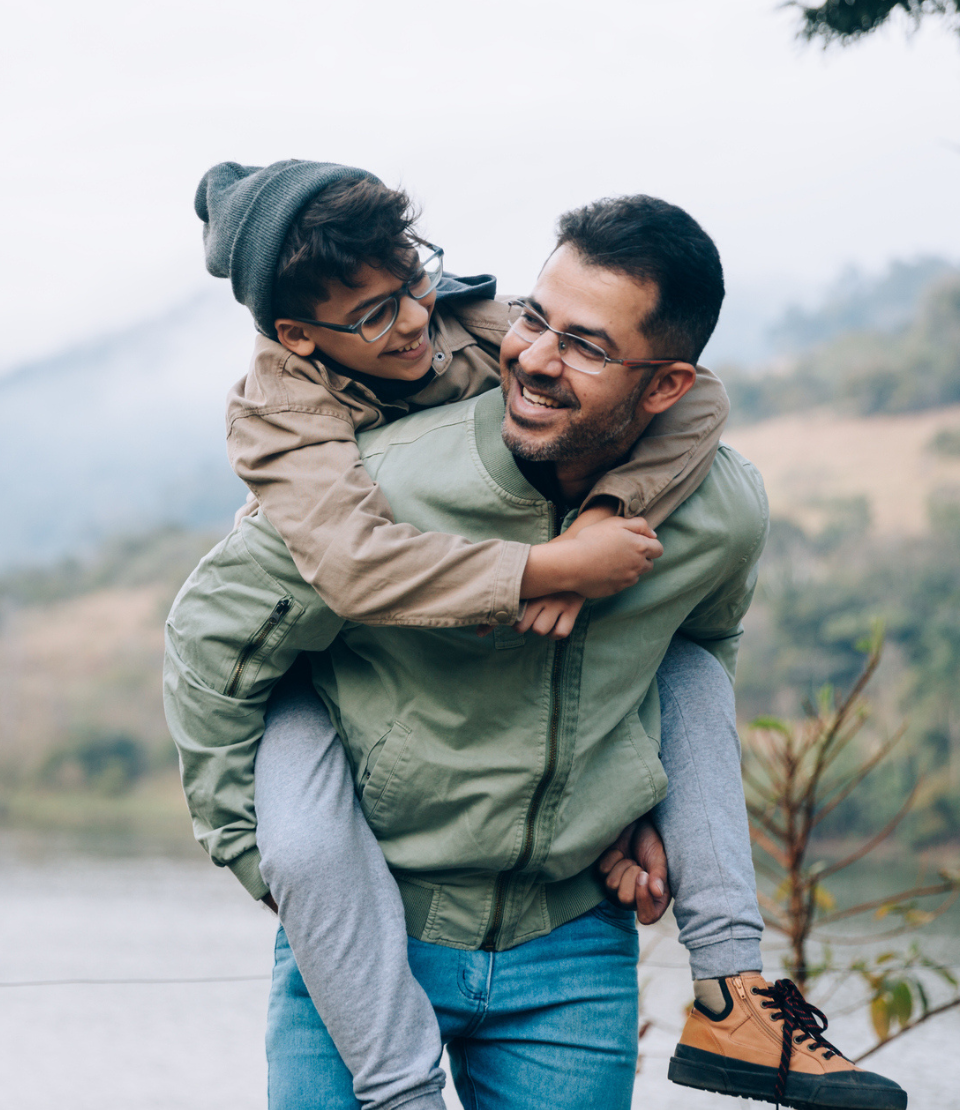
{"type": "Point", "coordinates": [636, 871]}
{"type": "Point", "coordinates": [611, 555]}
{"type": "Point", "coordinates": [603, 509]}
{"type": "Point", "coordinates": [553, 615]}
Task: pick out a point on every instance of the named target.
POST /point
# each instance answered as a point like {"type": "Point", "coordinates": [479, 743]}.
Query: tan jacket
{"type": "Point", "coordinates": [291, 436]}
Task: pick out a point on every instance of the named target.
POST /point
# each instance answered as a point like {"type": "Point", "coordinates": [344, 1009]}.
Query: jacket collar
{"type": "Point", "coordinates": [488, 417]}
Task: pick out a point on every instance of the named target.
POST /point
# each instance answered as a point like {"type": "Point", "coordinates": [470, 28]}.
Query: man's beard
{"type": "Point", "coordinates": [607, 434]}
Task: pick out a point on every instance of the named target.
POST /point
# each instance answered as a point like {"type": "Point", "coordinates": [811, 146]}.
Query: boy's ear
{"type": "Point", "coordinates": [294, 337]}
{"type": "Point", "coordinates": [668, 387]}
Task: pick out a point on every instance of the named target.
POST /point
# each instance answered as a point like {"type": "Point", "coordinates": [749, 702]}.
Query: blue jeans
{"type": "Point", "coordinates": [552, 1022]}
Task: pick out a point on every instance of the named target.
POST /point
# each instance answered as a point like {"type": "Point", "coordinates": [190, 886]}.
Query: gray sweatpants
{"type": "Point", "coordinates": [341, 908]}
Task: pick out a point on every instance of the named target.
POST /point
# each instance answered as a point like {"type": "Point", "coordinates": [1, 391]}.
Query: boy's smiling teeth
{"type": "Point", "coordinates": [538, 398]}
{"type": "Point", "coordinates": [410, 346]}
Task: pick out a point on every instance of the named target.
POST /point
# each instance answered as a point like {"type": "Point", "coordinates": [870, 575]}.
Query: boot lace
{"type": "Point", "coordinates": [799, 1018]}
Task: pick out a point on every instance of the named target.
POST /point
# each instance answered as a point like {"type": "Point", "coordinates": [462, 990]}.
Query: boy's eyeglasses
{"type": "Point", "coordinates": [579, 354]}
{"type": "Point", "coordinates": [380, 319]}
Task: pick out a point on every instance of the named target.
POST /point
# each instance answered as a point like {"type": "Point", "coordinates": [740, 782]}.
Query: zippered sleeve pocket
{"type": "Point", "coordinates": [260, 646]}
{"type": "Point", "coordinates": [260, 643]}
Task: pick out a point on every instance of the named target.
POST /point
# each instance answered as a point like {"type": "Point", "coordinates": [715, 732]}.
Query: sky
{"type": "Point", "coordinates": [496, 116]}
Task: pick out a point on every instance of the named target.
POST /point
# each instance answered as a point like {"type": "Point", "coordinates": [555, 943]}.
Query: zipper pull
{"type": "Point", "coordinates": [738, 983]}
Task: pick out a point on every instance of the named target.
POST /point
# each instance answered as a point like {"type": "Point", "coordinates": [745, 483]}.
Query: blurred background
{"type": "Point", "coordinates": [131, 972]}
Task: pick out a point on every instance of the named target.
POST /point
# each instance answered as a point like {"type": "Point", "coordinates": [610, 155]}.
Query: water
{"type": "Point", "coordinates": [74, 914]}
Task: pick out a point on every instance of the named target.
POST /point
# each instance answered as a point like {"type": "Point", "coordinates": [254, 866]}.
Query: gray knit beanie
{"type": "Point", "coordinates": [246, 213]}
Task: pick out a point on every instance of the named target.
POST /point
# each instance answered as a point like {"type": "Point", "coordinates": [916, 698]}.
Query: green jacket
{"type": "Point", "coordinates": [494, 770]}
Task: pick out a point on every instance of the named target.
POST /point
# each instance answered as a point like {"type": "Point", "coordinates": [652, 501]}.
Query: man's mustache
{"type": "Point", "coordinates": [545, 386]}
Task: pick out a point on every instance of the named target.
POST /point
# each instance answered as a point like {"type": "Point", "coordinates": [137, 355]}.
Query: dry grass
{"type": "Point", "coordinates": [90, 663]}
{"type": "Point", "coordinates": [811, 459]}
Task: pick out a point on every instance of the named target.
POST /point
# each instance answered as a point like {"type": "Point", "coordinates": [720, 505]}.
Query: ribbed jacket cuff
{"type": "Point", "coordinates": [247, 869]}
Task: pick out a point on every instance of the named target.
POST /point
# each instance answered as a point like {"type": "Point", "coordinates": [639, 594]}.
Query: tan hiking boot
{"type": "Point", "coordinates": [767, 1043]}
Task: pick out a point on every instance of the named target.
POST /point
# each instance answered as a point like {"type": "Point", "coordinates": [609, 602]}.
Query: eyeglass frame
{"type": "Point", "coordinates": [630, 363]}
{"type": "Point", "coordinates": [397, 297]}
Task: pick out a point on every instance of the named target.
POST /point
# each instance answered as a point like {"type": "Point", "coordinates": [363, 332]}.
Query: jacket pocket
{"type": "Point", "coordinates": [381, 767]}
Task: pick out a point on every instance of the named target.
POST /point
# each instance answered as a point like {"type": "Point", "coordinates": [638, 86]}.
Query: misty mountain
{"type": "Point", "coordinates": [122, 434]}
{"type": "Point", "coordinates": [863, 373]}
{"type": "Point", "coordinates": [125, 434]}
{"type": "Point", "coordinates": [858, 302]}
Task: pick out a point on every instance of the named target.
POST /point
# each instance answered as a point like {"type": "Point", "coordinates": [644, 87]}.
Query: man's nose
{"type": "Point", "coordinates": [542, 356]}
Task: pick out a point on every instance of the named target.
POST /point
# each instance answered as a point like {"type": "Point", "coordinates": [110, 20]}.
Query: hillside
{"type": "Point", "coordinates": [123, 434]}
{"type": "Point", "coordinates": [817, 465]}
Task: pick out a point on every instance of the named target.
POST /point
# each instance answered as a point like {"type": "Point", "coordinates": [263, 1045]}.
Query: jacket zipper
{"type": "Point", "coordinates": [533, 812]}
{"type": "Point", "coordinates": [254, 645]}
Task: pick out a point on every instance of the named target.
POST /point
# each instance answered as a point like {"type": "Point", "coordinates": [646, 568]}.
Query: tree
{"type": "Point", "coordinates": [796, 776]}
{"type": "Point", "coordinates": [845, 21]}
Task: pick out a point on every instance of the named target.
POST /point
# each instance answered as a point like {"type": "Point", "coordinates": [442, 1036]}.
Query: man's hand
{"type": "Point", "coordinates": [636, 871]}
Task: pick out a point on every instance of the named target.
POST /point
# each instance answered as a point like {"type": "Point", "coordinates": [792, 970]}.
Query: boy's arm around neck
{"type": "Point", "coordinates": [672, 457]}
{"type": "Point", "coordinates": [292, 439]}
{"type": "Point", "coordinates": [233, 631]}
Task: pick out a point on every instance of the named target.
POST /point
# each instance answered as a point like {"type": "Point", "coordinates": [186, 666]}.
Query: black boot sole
{"type": "Point", "coordinates": [707, 1071]}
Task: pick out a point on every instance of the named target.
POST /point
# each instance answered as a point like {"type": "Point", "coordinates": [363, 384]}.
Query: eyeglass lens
{"type": "Point", "coordinates": [381, 319]}
{"type": "Point", "coordinates": [576, 353]}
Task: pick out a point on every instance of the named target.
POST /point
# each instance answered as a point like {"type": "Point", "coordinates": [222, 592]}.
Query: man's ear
{"type": "Point", "coordinates": [294, 337]}
{"type": "Point", "coordinates": [668, 387]}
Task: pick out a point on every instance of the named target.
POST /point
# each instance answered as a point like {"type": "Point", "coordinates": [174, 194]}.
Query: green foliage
{"type": "Point", "coordinates": [896, 988]}
{"type": "Point", "coordinates": [818, 597]}
{"type": "Point", "coordinates": [945, 442]}
{"type": "Point", "coordinates": [846, 21]}
{"type": "Point", "coordinates": [862, 373]}
{"type": "Point", "coordinates": [110, 764]}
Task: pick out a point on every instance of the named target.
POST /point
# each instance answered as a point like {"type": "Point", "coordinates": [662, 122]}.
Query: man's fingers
{"type": "Point", "coordinates": [627, 889]}
{"type": "Point", "coordinates": [608, 859]}
{"type": "Point", "coordinates": [617, 872]}
{"type": "Point", "coordinates": [646, 907]}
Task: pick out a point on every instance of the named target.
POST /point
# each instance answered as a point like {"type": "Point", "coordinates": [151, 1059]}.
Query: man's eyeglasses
{"type": "Point", "coordinates": [579, 354]}
{"type": "Point", "coordinates": [380, 319]}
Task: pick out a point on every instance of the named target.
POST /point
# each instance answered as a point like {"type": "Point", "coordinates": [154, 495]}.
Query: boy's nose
{"type": "Point", "coordinates": [413, 315]}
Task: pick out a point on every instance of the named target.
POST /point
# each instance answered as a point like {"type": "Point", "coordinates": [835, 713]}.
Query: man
{"type": "Point", "coordinates": [506, 768]}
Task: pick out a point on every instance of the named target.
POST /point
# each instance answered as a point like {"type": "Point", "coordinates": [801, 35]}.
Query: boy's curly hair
{"type": "Point", "coordinates": [348, 224]}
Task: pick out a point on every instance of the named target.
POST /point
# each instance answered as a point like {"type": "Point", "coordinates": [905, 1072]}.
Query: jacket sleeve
{"type": "Point", "coordinates": [716, 623]}
{"type": "Point", "coordinates": [306, 472]}
{"type": "Point", "coordinates": [672, 457]}
{"type": "Point", "coordinates": [233, 631]}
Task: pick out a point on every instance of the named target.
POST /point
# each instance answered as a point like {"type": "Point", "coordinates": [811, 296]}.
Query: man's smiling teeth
{"type": "Point", "coordinates": [538, 399]}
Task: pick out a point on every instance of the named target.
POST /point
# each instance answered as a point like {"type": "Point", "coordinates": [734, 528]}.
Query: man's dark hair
{"type": "Point", "coordinates": [650, 240]}
{"type": "Point", "coordinates": [346, 225]}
